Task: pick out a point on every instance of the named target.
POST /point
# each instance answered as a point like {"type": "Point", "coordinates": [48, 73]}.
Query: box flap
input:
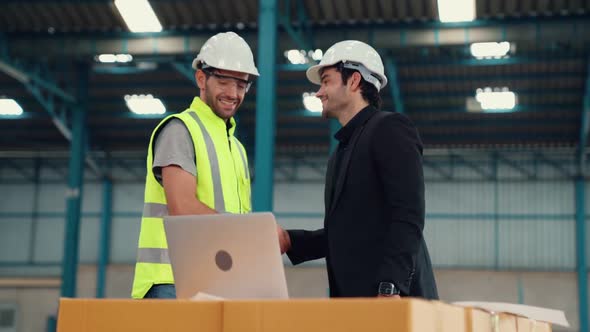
{"type": "Point", "coordinates": [537, 313]}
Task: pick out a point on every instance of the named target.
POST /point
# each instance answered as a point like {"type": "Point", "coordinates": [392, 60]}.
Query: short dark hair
{"type": "Point", "coordinates": [368, 90]}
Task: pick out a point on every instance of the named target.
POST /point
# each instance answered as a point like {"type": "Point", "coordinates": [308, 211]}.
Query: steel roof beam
{"type": "Point", "coordinates": [460, 160]}
{"type": "Point", "coordinates": [19, 72]}
{"type": "Point", "coordinates": [430, 62]}
{"type": "Point", "coordinates": [557, 165]}
{"type": "Point", "coordinates": [185, 70]}
{"type": "Point", "coordinates": [383, 36]}
{"type": "Point", "coordinates": [12, 69]}
{"type": "Point", "coordinates": [297, 34]}
{"type": "Point", "coordinates": [45, 91]}
{"type": "Point", "coordinates": [530, 174]}
{"type": "Point", "coordinates": [18, 168]}
{"type": "Point", "coordinates": [447, 175]}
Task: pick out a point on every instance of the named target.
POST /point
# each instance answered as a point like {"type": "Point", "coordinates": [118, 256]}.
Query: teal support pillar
{"type": "Point", "coordinates": [584, 125]}
{"type": "Point", "coordinates": [105, 236]}
{"type": "Point", "coordinates": [394, 87]}
{"type": "Point", "coordinates": [75, 188]}
{"type": "Point", "coordinates": [334, 127]}
{"type": "Point", "coordinates": [495, 164]}
{"type": "Point", "coordinates": [580, 194]}
{"type": "Point", "coordinates": [581, 266]}
{"type": "Point", "coordinates": [265, 106]}
{"type": "Point", "coordinates": [35, 214]}
{"type": "Point", "coordinates": [51, 324]}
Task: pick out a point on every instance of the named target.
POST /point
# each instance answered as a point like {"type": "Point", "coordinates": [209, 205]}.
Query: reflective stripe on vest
{"type": "Point", "coordinates": [214, 163]}
{"type": "Point", "coordinates": [154, 210]}
{"type": "Point", "coordinates": [244, 162]}
{"type": "Point", "coordinates": [153, 255]}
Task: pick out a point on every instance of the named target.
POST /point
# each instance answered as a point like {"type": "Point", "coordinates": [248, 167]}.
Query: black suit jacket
{"type": "Point", "coordinates": [373, 223]}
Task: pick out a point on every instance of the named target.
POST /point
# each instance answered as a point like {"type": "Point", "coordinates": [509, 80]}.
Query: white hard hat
{"type": "Point", "coordinates": [355, 55]}
{"type": "Point", "coordinates": [228, 51]}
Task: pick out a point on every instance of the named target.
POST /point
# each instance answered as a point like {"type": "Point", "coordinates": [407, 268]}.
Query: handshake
{"type": "Point", "coordinates": [284, 239]}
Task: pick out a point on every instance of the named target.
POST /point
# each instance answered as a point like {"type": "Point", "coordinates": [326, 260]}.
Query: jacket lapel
{"type": "Point", "coordinates": [329, 183]}
{"type": "Point", "coordinates": [343, 167]}
{"type": "Point", "coordinates": [344, 163]}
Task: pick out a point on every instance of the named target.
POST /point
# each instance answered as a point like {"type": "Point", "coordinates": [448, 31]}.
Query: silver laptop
{"type": "Point", "coordinates": [234, 256]}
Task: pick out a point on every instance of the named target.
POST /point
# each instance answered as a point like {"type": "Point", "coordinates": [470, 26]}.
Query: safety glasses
{"type": "Point", "coordinates": [227, 81]}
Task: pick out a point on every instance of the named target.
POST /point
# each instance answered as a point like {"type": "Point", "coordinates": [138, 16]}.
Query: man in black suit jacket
{"type": "Point", "coordinates": [374, 194]}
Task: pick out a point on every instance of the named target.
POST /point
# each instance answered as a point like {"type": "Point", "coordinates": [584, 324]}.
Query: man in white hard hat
{"type": "Point", "coordinates": [195, 164]}
{"type": "Point", "coordinates": [374, 194]}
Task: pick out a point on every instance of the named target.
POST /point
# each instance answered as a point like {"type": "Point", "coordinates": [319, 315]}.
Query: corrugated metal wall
{"type": "Point", "coordinates": [504, 224]}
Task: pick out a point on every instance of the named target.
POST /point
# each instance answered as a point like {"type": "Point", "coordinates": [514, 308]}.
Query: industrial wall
{"type": "Point", "coordinates": [503, 239]}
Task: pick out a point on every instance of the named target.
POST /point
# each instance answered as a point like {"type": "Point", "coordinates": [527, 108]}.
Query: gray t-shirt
{"type": "Point", "coordinates": [174, 146]}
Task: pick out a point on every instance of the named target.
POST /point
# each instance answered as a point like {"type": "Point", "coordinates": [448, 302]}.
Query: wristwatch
{"type": "Point", "coordinates": [387, 289]}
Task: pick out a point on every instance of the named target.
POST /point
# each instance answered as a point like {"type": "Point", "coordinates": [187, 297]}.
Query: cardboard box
{"type": "Point", "coordinates": [481, 321]}
{"type": "Point", "coordinates": [375, 315]}
{"type": "Point", "coordinates": [91, 315]}
{"type": "Point", "coordinates": [450, 318]}
{"type": "Point", "coordinates": [505, 322]}
{"type": "Point", "coordinates": [537, 318]}
{"type": "Point", "coordinates": [512, 323]}
{"type": "Point", "coordinates": [540, 326]}
{"type": "Point", "coordinates": [477, 320]}
{"type": "Point", "coordinates": [341, 315]}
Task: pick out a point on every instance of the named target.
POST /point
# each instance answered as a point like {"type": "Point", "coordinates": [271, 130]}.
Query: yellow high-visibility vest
{"type": "Point", "coordinates": [223, 185]}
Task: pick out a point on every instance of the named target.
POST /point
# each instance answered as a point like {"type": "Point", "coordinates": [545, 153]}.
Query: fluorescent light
{"type": "Point", "coordinates": [311, 102]}
{"type": "Point", "coordinates": [138, 15]}
{"type": "Point", "coordinates": [316, 55]}
{"type": "Point", "coordinates": [296, 57]}
{"type": "Point", "coordinates": [112, 58]}
{"type": "Point", "coordinates": [10, 107]}
{"type": "Point", "coordinates": [456, 10]}
{"type": "Point", "coordinates": [498, 99]}
{"type": "Point", "coordinates": [144, 104]}
{"type": "Point", "coordinates": [107, 58]}
{"type": "Point", "coordinates": [124, 58]}
{"type": "Point", "coordinates": [490, 49]}
{"type": "Point", "coordinates": [300, 57]}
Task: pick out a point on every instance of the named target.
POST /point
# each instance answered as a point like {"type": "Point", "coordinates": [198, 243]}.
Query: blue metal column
{"type": "Point", "coordinates": [265, 106]}
{"type": "Point", "coordinates": [35, 214]}
{"type": "Point", "coordinates": [580, 184]}
{"type": "Point", "coordinates": [584, 125]}
{"type": "Point", "coordinates": [51, 324]}
{"type": "Point", "coordinates": [495, 165]}
{"type": "Point", "coordinates": [105, 236]}
{"type": "Point", "coordinates": [581, 253]}
{"type": "Point", "coordinates": [75, 186]}
{"type": "Point", "coordinates": [334, 127]}
{"type": "Point", "coordinates": [396, 94]}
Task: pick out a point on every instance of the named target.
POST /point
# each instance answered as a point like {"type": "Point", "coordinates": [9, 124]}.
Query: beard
{"type": "Point", "coordinates": [220, 108]}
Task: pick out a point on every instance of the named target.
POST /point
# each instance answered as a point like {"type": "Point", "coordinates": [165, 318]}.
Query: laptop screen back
{"type": "Point", "coordinates": [234, 256]}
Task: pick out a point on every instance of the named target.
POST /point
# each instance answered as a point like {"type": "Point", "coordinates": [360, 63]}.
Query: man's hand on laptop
{"type": "Point", "coordinates": [284, 239]}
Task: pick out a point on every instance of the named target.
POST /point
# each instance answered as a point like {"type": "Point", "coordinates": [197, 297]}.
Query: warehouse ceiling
{"type": "Point", "coordinates": [56, 43]}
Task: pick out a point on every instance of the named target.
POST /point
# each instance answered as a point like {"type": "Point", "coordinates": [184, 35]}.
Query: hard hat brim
{"type": "Point", "coordinates": [253, 72]}
{"type": "Point", "coordinates": [313, 74]}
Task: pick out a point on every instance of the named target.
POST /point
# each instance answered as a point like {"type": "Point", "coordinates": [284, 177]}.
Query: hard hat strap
{"type": "Point", "coordinates": [365, 73]}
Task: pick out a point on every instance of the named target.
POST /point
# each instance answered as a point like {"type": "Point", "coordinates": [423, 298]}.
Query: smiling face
{"type": "Point", "coordinates": [332, 93]}
{"type": "Point", "coordinates": [222, 90]}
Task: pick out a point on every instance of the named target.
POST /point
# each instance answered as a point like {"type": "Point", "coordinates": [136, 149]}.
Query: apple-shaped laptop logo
{"type": "Point", "coordinates": [223, 260]}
